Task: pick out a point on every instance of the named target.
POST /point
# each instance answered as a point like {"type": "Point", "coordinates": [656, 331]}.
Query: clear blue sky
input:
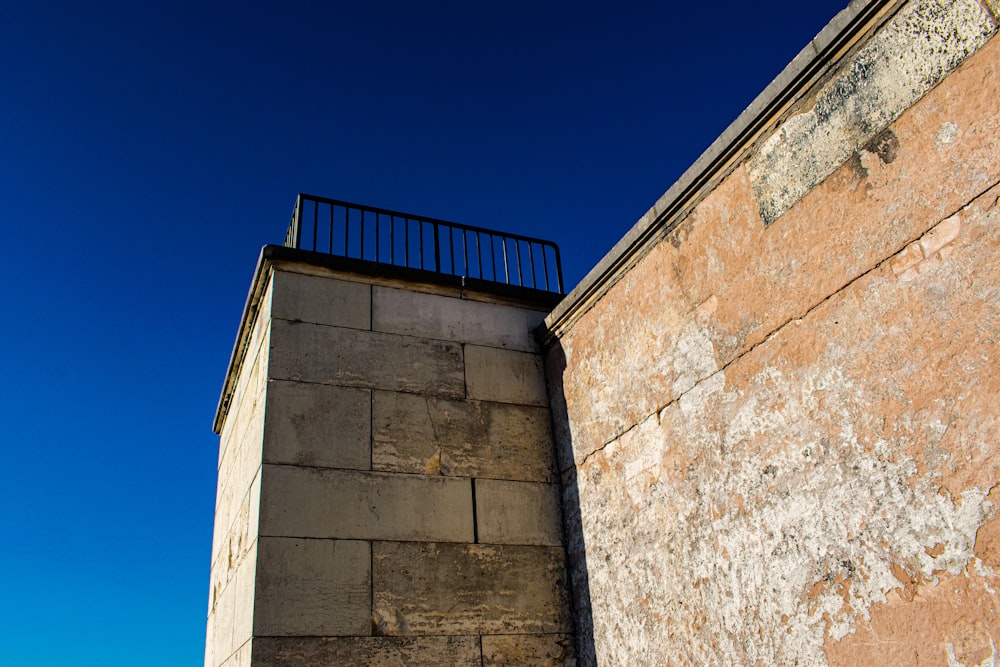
{"type": "Point", "coordinates": [148, 150]}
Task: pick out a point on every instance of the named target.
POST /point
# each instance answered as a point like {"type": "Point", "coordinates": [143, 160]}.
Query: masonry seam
{"type": "Point", "coordinates": [723, 160]}
{"type": "Point", "coordinates": [371, 587]}
{"type": "Point", "coordinates": [475, 516]}
{"type": "Point", "coordinates": [781, 327]}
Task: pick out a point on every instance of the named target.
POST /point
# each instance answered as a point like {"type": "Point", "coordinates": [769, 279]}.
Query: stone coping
{"type": "Point", "coordinates": [840, 37]}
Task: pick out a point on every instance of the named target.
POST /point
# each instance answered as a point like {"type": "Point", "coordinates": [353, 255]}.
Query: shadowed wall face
{"type": "Point", "coordinates": [399, 497]}
{"type": "Point", "coordinates": [782, 428]}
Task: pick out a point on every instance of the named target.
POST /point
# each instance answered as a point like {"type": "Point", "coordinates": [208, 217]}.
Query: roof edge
{"type": "Point", "coordinates": [796, 80]}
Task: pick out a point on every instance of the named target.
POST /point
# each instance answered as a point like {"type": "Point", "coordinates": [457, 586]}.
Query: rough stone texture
{"type": "Point", "coordinates": [925, 41]}
{"type": "Point", "coordinates": [235, 531]}
{"type": "Point", "coordinates": [463, 589]}
{"type": "Point", "coordinates": [312, 587]}
{"type": "Point", "coordinates": [726, 281]}
{"type": "Point", "coordinates": [241, 657]}
{"type": "Point", "coordinates": [994, 7]}
{"type": "Point", "coordinates": [348, 357]}
{"type": "Point", "coordinates": [317, 502]}
{"type": "Point", "coordinates": [366, 651]}
{"type": "Point", "coordinates": [447, 318]}
{"type": "Point", "coordinates": [321, 300]}
{"type": "Point", "coordinates": [314, 392]}
{"type": "Point", "coordinates": [849, 456]}
{"type": "Point", "coordinates": [435, 436]}
{"type": "Point", "coordinates": [517, 512]}
{"type": "Point", "coordinates": [803, 414]}
{"type": "Point", "coordinates": [318, 425]}
{"type": "Point", "coordinates": [537, 650]}
{"type": "Point", "coordinates": [505, 376]}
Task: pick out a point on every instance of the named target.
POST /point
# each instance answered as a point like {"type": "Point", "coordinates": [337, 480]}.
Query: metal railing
{"type": "Point", "coordinates": [402, 239]}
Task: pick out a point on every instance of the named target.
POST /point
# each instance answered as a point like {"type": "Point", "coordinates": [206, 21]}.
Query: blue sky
{"type": "Point", "coordinates": [148, 150]}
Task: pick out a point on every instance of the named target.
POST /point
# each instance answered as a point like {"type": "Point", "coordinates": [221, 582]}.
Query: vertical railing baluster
{"type": "Point", "coordinates": [361, 241]}
{"type": "Point", "coordinates": [420, 245]}
{"type": "Point", "coordinates": [347, 231]}
{"type": "Point", "coordinates": [545, 268]}
{"type": "Point", "coordinates": [451, 248]}
{"type": "Point", "coordinates": [315, 222]}
{"type": "Point", "coordinates": [437, 249]}
{"type": "Point", "coordinates": [506, 269]}
{"type": "Point", "coordinates": [331, 230]}
{"type": "Point", "coordinates": [558, 268]}
{"type": "Point", "coordinates": [465, 254]}
{"type": "Point", "coordinates": [479, 256]}
{"type": "Point", "coordinates": [517, 254]}
{"type": "Point", "coordinates": [531, 261]}
{"type": "Point", "coordinates": [493, 257]}
{"type": "Point", "coordinates": [378, 235]}
{"type": "Point", "coordinates": [406, 240]}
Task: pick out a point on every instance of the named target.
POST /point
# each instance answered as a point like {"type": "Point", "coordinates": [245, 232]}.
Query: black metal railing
{"type": "Point", "coordinates": [402, 239]}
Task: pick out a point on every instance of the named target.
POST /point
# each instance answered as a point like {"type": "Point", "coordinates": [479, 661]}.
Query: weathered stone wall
{"type": "Point", "coordinates": [781, 426]}
{"type": "Point", "coordinates": [407, 509]}
{"type": "Point", "coordinates": [234, 544]}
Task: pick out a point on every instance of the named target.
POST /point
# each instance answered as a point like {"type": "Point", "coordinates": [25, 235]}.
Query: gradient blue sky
{"type": "Point", "coordinates": [149, 149]}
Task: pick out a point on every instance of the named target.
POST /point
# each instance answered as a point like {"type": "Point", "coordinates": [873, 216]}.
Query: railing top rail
{"type": "Point", "coordinates": [436, 221]}
{"type": "Point", "coordinates": [453, 248]}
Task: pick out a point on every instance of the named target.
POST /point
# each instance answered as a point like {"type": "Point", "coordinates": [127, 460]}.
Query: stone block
{"type": "Point", "coordinates": [536, 650]}
{"type": "Point", "coordinates": [458, 589]}
{"type": "Point", "coordinates": [317, 425]}
{"type": "Point", "coordinates": [449, 318]}
{"type": "Point", "coordinates": [321, 300]}
{"type": "Point", "coordinates": [243, 588]}
{"type": "Point", "coordinates": [318, 502]}
{"type": "Point", "coordinates": [366, 651]}
{"type": "Point", "coordinates": [517, 512]}
{"type": "Point", "coordinates": [312, 587]}
{"type": "Point", "coordinates": [250, 383]}
{"type": "Point", "coordinates": [505, 376]}
{"type": "Point", "coordinates": [223, 632]}
{"type": "Point", "coordinates": [332, 355]}
{"type": "Point", "coordinates": [235, 478]}
{"type": "Point", "coordinates": [436, 436]}
{"type": "Point", "coordinates": [240, 656]}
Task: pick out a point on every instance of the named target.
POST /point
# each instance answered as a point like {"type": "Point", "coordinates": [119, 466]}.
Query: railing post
{"type": "Point", "coordinates": [558, 270]}
{"type": "Point", "coordinates": [294, 239]}
{"type": "Point", "coordinates": [437, 250]}
{"type": "Point", "coordinates": [297, 225]}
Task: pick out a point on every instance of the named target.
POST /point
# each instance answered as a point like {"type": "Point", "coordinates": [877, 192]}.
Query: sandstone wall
{"type": "Point", "coordinates": [406, 503]}
{"type": "Point", "coordinates": [779, 427]}
{"type": "Point", "coordinates": [234, 543]}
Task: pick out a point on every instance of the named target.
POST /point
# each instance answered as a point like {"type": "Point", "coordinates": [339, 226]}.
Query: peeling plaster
{"type": "Point", "coordinates": [833, 523]}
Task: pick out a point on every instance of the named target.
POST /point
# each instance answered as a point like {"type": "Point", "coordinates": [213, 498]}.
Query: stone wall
{"type": "Point", "coordinates": [779, 425]}
{"type": "Point", "coordinates": [234, 542]}
{"type": "Point", "coordinates": [399, 497]}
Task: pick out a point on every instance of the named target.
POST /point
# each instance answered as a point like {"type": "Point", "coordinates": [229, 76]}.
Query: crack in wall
{"type": "Point", "coordinates": [777, 330]}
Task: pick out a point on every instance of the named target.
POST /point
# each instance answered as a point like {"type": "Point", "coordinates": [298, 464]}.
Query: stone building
{"type": "Point", "coordinates": [762, 431]}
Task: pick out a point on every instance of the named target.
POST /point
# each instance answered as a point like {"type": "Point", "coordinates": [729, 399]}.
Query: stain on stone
{"type": "Point", "coordinates": [859, 168]}
{"type": "Point", "coordinates": [885, 144]}
{"type": "Point", "coordinates": [923, 43]}
{"type": "Point", "coordinates": [678, 234]}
